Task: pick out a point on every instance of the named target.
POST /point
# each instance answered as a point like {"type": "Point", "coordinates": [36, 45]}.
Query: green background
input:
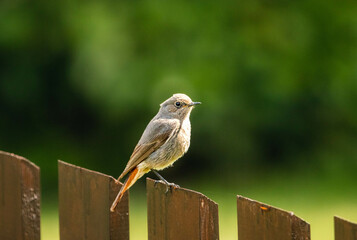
{"type": "Point", "coordinates": [79, 81]}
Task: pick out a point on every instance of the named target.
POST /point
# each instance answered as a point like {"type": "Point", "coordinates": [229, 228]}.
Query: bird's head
{"type": "Point", "coordinates": [178, 106]}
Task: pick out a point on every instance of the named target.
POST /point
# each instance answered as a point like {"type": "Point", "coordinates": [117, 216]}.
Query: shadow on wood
{"type": "Point", "coordinates": [258, 221]}
{"type": "Point", "coordinates": [19, 198]}
{"type": "Point", "coordinates": [180, 214]}
{"type": "Point", "coordinates": [84, 200]}
{"type": "Point", "coordinates": [345, 230]}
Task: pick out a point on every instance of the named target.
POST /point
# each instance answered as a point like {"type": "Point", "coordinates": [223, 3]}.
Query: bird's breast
{"type": "Point", "coordinates": [184, 136]}
{"type": "Point", "coordinates": [173, 149]}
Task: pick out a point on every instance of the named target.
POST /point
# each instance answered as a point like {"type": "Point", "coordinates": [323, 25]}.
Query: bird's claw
{"type": "Point", "coordinates": [156, 181]}
{"type": "Point", "coordinates": [168, 185]}
{"type": "Point", "coordinates": [171, 186]}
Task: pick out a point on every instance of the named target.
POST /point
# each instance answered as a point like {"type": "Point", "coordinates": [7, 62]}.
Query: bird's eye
{"type": "Point", "coordinates": [177, 104]}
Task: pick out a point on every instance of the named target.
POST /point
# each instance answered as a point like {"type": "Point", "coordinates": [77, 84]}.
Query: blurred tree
{"type": "Point", "coordinates": [278, 81]}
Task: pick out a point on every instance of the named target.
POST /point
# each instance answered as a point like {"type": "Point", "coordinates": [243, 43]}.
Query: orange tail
{"type": "Point", "coordinates": [134, 175]}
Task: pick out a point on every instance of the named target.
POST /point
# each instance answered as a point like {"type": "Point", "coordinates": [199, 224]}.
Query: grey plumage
{"type": "Point", "coordinates": [165, 139]}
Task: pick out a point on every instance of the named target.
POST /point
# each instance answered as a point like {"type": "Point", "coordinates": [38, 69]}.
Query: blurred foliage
{"type": "Point", "coordinates": [79, 81]}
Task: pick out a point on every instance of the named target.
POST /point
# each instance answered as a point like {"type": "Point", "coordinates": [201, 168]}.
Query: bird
{"type": "Point", "coordinates": [165, 139]}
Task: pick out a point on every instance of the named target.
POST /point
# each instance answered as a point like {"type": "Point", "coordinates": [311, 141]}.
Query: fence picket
{"type": "Point", "coordinates": [180, 214]}
{"type": "Point", "coordinates": [85, 197]}
{"type": "Point", "coordinates": [258, 221]}
{"type": "Point", "coordinates": [345, 230]}
{"type": "Point", "coordinates": [84, 200]}
{"type": "Point", "coordinates": [19, 198]}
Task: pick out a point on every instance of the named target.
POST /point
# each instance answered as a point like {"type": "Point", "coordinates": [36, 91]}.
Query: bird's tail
{"type": "Point", "coordinates": [133, 177]}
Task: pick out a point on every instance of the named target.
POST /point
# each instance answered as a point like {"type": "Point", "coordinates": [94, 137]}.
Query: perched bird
{"type": "Point", "coordinates": [165, 139]}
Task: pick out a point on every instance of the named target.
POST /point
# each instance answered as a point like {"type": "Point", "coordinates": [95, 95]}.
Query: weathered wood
{"type": "Point", "coordinates": [345, 230]}
{"type": "Point", "coordinates": [180, 214]}
{"type": "Point", "coordinates": [84, 200]}
{"type": "Point", "coordinates": [19, 198]}
{"type": "Point", "coordinates": [258, 221]}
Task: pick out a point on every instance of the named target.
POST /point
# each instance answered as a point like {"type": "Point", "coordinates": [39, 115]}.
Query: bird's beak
{"type": "Point", "coordinates": [194, 103]}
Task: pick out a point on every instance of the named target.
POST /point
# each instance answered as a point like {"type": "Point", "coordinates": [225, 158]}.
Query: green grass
{"type": "Point", "coordinates": [49, 221]}
{"type": "Point", "coordinates": [315, 201]}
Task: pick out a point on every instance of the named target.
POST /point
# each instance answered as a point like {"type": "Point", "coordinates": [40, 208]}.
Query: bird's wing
{"type": "Point", "coordinates": [153, 138]}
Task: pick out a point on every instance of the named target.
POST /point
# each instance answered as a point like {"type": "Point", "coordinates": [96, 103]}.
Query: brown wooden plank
{"type": "Point", "coordinates": [84, 200]}
{"type": "Point", "coordinates": [345, 230]}
{"type": "Point", "coordinates": [180, 214]}
{"type": "Point", "coordinates": [258, 221]}
{"type": "Point", "coordinates": [19, 198]}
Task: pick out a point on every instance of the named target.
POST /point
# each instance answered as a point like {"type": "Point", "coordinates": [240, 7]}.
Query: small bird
{"type": "Point", "coordinates": [165, 139]}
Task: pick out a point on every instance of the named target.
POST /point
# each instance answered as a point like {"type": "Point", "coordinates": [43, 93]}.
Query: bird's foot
{"type": "Point", "coordinates": [156, 181]}
{"type": "Point", "coordinates": [171, 186]}
{"type": "Point", "coordinates": [168, 185]}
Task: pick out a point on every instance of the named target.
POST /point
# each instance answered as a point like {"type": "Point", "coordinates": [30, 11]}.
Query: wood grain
{"type": "Point", "coordinates": [84, 200]}
{"type": "Point", "coordinates": [180, 214]}
{"type": "Point", "coordinates": [19, 198]}
{"type": "Point", "coordinates": [345, 230]}
{"type": "Point", "coordinates": [258, 221]}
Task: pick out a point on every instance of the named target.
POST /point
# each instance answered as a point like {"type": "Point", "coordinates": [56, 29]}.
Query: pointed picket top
{"type": "Point", "coordinates": [19, 198]}
{"type": "Point", "coordinates": [85, 198]}
{"type": "Point", "coordinates": [257, 221]}
{"type": "Point", "coordinates": [180, 213]}
{"type": "Point", "coordinates": [344, 229]}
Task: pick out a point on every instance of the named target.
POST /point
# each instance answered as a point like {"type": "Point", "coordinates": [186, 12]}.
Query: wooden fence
{"type": "Point", "coordinates": [85, 197]}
